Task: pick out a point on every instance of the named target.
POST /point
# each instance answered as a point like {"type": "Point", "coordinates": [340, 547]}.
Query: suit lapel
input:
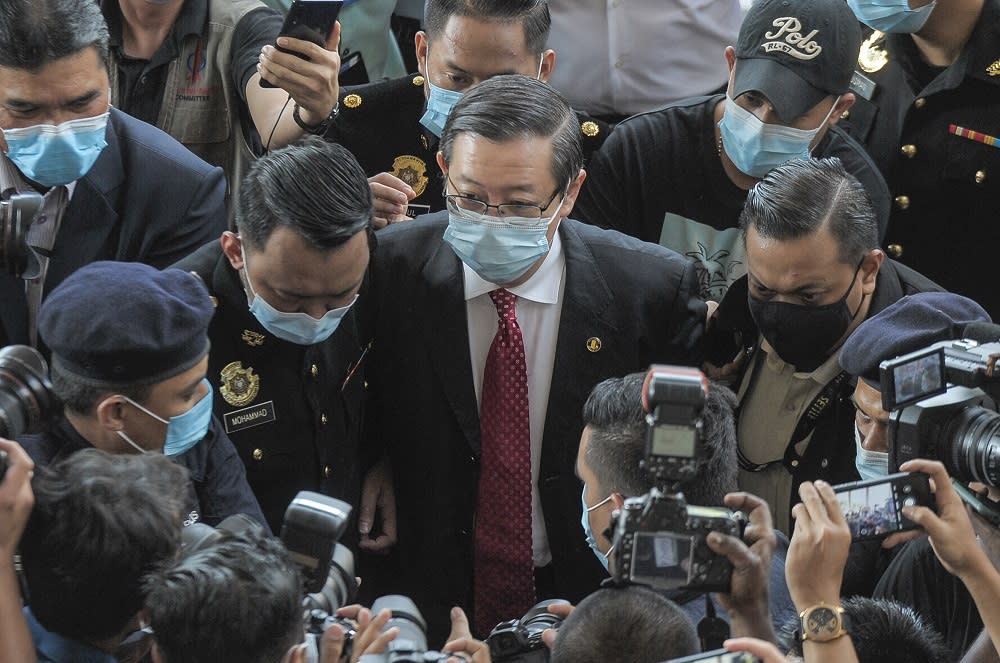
{"type": "Point", "coordinates": [589, 348]}
{"type": "Point", "coordinates": [447, 338]}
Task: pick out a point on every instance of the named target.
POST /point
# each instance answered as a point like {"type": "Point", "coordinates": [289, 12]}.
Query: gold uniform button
{"type": "Point", "coordinates": [895, 250]}
{"type": "Point", "coordinates": [258, 455]}
{"type": "Point", "coordinates": [845, 115]}
{"type": "Point", "coordinates": [903, 202]}
{"type": "Point", "coordinates": [322, 419]}
{"type": "Point", "coordinates": [327, 472]}
{"type": "Point", "coordinates": [920, 103]}
{"type": "Point", "coordinates": [314, 370]}
{"type": "Point", "coordinates": [908, 151]}
{"type": "Point", "coordinates": [352, 100]}
{"type": "Point", "coordinates": [418, 81]}
{"type": "Point", "coordinates": [980, 176]}
{"type": "Point", "coordinates": [590, 129]}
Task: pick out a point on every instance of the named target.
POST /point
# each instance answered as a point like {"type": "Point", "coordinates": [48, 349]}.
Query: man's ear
{"type": "Point", "coordinates": [869, 270]}
{"type": "Point", "coordinates": [420, 46]}
{"type": "Point", "coordinates": [548, 63]}
{"type": "Point", "coordinates": [442, 164]}
{"type": "Point", "coordinates": [843, 105]}
{"type": "Point", "coordinates": [618, 500]}
{"type": "Point", "coordinates": [110, 413]}
{"type": "Point", "coordinates": [232, 246]}
{"type": "Point", "coordinates": [571, 194]}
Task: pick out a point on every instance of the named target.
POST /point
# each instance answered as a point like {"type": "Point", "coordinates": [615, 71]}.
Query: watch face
{"type": "Point", "coordinates": [822, 622]}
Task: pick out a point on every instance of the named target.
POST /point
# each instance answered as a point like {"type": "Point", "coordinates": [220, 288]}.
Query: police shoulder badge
{"type": "Point", "coordinates": [411, 170]}
{"type": "Point", "coordinates": [239, 385]}
{"type": "Point", "coordinates": [873, 55]}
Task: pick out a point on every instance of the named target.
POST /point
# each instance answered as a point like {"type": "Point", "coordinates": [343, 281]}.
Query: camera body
{"type": "Point", "coordinates": [520, 640]}
{"type": "Point", "coordinates": [27, 401]}
{"type": "Point", "coordinates": [942, 406]}
{"type": "Point", "coordinates": [661, 542]}
{"type": "Point", "coordinates": [16, 216]}
{"type": "Point", "coordinates": [659, 539]}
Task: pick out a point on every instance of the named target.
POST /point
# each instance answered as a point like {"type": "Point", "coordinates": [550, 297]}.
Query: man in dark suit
{"type": "Point", "coordinates": [113, 188]}
{"type": "Point", "coordinates": [481, 417]}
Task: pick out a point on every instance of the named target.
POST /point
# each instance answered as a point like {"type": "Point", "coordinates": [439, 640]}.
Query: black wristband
{"type": "Point", "coordinates": [320, 128]}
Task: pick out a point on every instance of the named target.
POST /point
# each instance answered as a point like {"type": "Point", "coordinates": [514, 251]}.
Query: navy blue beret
{"type": "Point", "coordinates": [910, 324]}
{"type": "Point", "coordinates": [126, 323]}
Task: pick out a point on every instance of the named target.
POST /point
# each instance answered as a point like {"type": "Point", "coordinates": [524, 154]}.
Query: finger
{"type": "Point", "coordinates": [732, 549]}
{"type": "Point", "coordinates": [288, 80]}
{"type": "Point", "coordinates": [387, 502]}
{"type": "Point", "coordinates": [371, 630]}
{"type": "Point", "coordinates": [760, 525]}
{"type": "Point", "coordinates": [944, 492]}
{"type": "Point", "coordinates": [332, 643]}
{"type": "Point", "coordinates": [813, 503]}
{"type": "Point", "coordinates": [759, 648]}
{"type": "Point", "coordinates": [830, 501]}
{"type": "Point", "coordinates": [390, 183]}
{"type": "Point", "coordinates": [563, 610]}
{"type": "Point", "coordinates": [901, 537]}
{"type": "Point", "coordinates": [349, 611]}
{"type": "Point", "coordinates": [381, 544]}
{"type": "Point", "coordinates": [369, 498]}
{"type": "Point", "coordinates": [333, 39]}
{"type": "Point", "coordinates": [386, 197]}
{"type": "Point", "coordinates": [458, 646]}
{"type": "Point", "coordinates": [20, 469]}
{"type": "Point", "coordinates": [927, 519]}
{"type": "Point", "coordinates": [379, 222]}
{"type": "Point", "coordinates": [459, 625]}
{"type": "Point", "coordinates": [381, 643]}
{"type": "Point", "coordinates": [304, 47]}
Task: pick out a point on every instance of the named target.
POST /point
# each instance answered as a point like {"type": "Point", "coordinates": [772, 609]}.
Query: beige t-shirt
{"type": "Point", "coordinates": [768, 417]}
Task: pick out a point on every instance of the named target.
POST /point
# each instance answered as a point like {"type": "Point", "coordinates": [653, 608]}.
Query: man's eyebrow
{"type": "Point", "coordinates": [83, 98]}
{"type": "Point", "coordinates": [864, 411]}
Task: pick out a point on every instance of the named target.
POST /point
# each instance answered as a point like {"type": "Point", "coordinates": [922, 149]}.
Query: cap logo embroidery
{"type": "Point", "coordinates": [800, 46]}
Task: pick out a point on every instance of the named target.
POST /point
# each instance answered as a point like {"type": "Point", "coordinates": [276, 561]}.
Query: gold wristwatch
{"type": "Point", "coordinates": [823, 622]}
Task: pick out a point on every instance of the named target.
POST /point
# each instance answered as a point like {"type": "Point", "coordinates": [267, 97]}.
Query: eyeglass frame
{"type": "Point", "coordinates": [449, 197]}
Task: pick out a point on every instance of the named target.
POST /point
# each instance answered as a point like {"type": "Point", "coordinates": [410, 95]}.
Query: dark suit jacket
{"type": "Point", "coordinates": [638, 298]}
{"type": "Point", "coordinates": [146, 199]}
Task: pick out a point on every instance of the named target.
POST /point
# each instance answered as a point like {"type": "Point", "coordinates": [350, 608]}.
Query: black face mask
{"type": "Point", "coordinates": [804, 335]}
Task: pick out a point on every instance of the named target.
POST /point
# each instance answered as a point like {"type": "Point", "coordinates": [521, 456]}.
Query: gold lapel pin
{"type": "Point", "coordinates": [594, 344]}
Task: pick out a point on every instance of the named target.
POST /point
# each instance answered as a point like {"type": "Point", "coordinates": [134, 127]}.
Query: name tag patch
{"type": "Point", "coordinates": [248, 417]}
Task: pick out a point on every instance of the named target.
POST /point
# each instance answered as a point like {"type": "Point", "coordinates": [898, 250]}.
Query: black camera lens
{"type": "Point", "coordinates": [340, 587]}
{"type": "Point", "coordinates": [26, 397]}
{"type": "Point", "coordinates": [970, 446]}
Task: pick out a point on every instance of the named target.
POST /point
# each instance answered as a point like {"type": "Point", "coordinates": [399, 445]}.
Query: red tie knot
{"type": "Point", "coordinates": [504, 300]}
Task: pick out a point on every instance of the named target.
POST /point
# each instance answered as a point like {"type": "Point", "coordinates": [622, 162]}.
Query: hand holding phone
{"type": "Point", "coordinates": [308, 20]}
{"type": "Point", "coordinates": [873, 508]}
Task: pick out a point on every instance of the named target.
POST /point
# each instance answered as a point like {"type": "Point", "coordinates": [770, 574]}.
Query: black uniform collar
{"type": "Point", "coordinates": [191, 21]}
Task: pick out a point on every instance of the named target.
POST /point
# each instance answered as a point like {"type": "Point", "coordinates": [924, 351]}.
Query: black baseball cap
{"type": "Point", "coordinates": [796, 52]}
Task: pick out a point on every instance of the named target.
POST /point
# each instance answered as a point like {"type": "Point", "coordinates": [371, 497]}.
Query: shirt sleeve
{"type": "Point", "coordinates": [255, 30]}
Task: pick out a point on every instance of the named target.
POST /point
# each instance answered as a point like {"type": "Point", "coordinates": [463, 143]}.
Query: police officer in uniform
{"type": "Point", "coordinates": [287, 354]}
{"type": "Point", "coordinates": [928, 111]}
{"type": "Point", "coordinates": [392, 126]}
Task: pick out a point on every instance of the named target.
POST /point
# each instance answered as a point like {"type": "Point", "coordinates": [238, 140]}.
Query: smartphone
{"type": "Point", "coordinates": [873, 508]}
{"type": "Point", "coordinates": [718, 656]}
{"type": "Point", "coordinates": [309, 20]}
{"type": "Point", "coordinates": [984, 506]}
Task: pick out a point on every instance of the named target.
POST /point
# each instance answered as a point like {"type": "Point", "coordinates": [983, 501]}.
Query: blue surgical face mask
{"type": "Point", "coordinates": [499, 249]}
{"type": "Point", "coordinates": [585, 521]}
{"type": "Point", "coordinates": [298, 328]}
{"type": "Point", "coordinates": [184, 430]}
{"type": "Point", "coordinates": [54, 155]}
{"type": "Point", "coordinates": [440, 101]}
{"type": "Point", "coordinates": [756, 147]}
{"type": "Point", "coordinates": [893, 16]}
{"type": "Point", "coordinates": [870, 464]}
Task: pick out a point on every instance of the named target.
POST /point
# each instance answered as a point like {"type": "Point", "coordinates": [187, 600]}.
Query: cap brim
{"type": "Point", "coordinates": [788, 92]}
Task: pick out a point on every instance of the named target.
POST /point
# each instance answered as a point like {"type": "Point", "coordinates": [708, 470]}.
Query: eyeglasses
{"type": "Point", "coordinates": [459, 203]}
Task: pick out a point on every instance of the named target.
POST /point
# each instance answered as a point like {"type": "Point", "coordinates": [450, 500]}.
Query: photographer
{"type": "Point", "coordinates": [909, 573]}
{"type": "Point", "coordinates": [609, 463]}
{"type": "Point", "coordinates": [16, 500]}
{"type": "Point", "coordinates": [129, 354]}
{"type": "Point", "coordinates": [100, 523]}
{"type": "Point", "coordinates": [240, 599]}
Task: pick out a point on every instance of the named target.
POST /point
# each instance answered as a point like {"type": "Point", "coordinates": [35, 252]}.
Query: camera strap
{"type": "Point", "coordinates": [806, 424]}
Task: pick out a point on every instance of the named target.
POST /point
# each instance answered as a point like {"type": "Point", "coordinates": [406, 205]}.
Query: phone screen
{"type": "Point", "coordinates": [870, 511]}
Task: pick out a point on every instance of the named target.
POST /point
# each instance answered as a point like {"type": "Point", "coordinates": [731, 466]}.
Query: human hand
{"type": "Point", "coordinates": [377, 494]}
{"type": "Point", "coordinates": [462, 644]}
{"type": "Point", "coordinates": [562, 610]}
{"type": "Point", "coordinates": [313, 84]}
{"type": "Point", "coordinates": [16, 498]}
{"type": "Point", "coordinates": [950, 530]}
{"type": "Point", "coordinates": [391, 195]}
{"type": "Point", "coordinates": [814, 567]}
{"type": "Point", "coordinates": [748, 599]}
{"type": "Point", "coordinates": [763, 650]}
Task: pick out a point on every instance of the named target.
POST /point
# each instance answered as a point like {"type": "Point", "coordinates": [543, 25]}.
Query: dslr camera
{"type": "Point", "coordinates": [660, 539]}
{"type": "Point", "coordinates": [520, 640]}
{"type": "Point", "coordinates": [16, 217]}
{"type": "Point", "coordinates": [310, 532]}
{"type": "Point", "coordinates": [27, 401]}
{"type": "Point", "coordinates": [410, 646]}
{"type": "Point", "coordinates": [942, 405]}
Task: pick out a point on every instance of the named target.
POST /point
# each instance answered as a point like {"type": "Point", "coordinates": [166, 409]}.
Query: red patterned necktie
{"type": "Point", "coordinates": [504, 569]}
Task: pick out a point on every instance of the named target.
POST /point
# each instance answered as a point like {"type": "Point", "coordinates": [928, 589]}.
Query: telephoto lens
{"type": "Point", "coordinates": [26, 397]}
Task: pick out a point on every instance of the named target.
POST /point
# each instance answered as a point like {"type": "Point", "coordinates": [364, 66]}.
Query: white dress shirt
{"type": "Point", "coordinates": [629, 56]}
{"type": "Point", "coordinates": [538, 309]}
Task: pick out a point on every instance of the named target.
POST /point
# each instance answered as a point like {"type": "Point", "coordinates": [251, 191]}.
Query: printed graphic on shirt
{"type": "Point", "coordinates": [719, 255]}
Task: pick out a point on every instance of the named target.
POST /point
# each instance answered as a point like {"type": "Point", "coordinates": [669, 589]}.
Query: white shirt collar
{"type": "Point", "coordinates": [543, 286]}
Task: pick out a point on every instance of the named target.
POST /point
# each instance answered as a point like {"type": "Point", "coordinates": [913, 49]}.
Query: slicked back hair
{"type": "Point", "coordinates": [534, 14]}
{"type": "Point", "coordinates": [34, 33]}
{"type": "Point", "coordinates": [313, 187]}
{"type": "Point", "coordinates": [803, 196]}
{"type": "Point", "coordinates": [614, 415]}
{"type": "Point", "coordinates": [512, 107]}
